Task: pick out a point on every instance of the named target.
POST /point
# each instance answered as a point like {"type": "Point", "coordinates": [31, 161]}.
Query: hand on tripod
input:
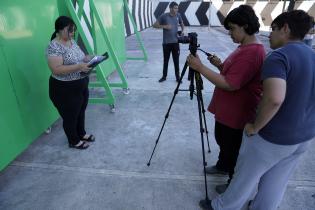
{"type": "Point", "coordinates": [194, 62]}
{"type": "Point", "coordinates": [216, 61]}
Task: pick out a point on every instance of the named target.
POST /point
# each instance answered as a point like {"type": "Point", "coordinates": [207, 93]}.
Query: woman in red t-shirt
{"type": "Point", "coordinates": [237, 87]}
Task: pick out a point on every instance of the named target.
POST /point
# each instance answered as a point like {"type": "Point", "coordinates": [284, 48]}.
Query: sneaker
{"type": "Point", "coordinates": [162, 79]}
{"type": "Point", "coordinates": [205, 205]}
{"type": "Point", "coordinates": [214, 170]}
{"type": "Point", "coordinates": [221, 188]}
{"type": "Point", "coordinates": [249, 203]}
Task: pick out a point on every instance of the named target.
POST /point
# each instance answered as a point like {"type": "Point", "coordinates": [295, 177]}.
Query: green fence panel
{"type": "Point", "coordinates": [112, 17]}
{"type": "Point", "coordinates": [11, 126]}
{"type": "Point", "coordinates": [25, 30]}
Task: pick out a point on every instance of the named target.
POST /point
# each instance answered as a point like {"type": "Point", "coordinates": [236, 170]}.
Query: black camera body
{"type": "Point", "coordinates": [192, 40]}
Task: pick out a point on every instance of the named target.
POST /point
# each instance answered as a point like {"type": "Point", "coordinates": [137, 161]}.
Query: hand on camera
{"type": "Point", "coordinates": [194, 62]}
{"type": "Point", "coordinates": [214, 60]}
{"type": "Point", "coordinates": [250, 129]}
{"type": "Point", "coordinates": [84, 67]}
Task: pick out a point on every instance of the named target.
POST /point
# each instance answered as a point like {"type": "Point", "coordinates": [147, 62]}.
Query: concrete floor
{"type": "Point", "coordinates": [112, 174]}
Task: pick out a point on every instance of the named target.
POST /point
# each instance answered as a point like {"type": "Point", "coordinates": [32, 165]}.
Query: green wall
{"type": "Point", "coordinates": [25, 30]}
{"type": "Point", "coordinates": [25, 109]}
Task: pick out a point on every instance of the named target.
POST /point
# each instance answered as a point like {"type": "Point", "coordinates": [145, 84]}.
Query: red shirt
{"type": "Point", "coordinates": [242, 70]}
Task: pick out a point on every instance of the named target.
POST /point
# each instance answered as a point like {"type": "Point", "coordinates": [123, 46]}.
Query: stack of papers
{"type": "Point", "coordinates": [97, 59]}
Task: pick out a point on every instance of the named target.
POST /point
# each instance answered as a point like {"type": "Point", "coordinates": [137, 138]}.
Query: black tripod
{"type": "Point", "coordinates": [205, 204]}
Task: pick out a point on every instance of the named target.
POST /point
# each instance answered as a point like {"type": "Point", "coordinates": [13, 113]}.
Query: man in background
{"type": "Point", "coordinates": [169, 23]}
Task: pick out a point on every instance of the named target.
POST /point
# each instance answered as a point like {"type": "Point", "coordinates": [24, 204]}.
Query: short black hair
{"type": "Point", "coordinates": [243, 15]}
{"type": "Point", "coordinates": [173, 4]}
{"type": "Point", "coordinates": [298, 21]}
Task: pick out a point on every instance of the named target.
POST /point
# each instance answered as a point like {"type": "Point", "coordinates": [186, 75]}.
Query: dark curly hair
{"type": "Point", "coordinates": [243, 15]}
{"type": "Point", "coordinates": [298, 20]}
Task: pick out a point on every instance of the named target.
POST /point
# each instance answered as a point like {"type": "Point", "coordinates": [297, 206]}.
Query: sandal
{"type": "Point", "coordinates": [91, 138]}
{"type": "Point", "coordinates": [80, 145]}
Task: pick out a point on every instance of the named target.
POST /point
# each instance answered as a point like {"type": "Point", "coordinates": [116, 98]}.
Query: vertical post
{"type": "Point", "coordinates": [291, 5]}
{"type": "Point", "coordinates": [284, 3]}
{"type": "Point", "coordinates": [209, 14]}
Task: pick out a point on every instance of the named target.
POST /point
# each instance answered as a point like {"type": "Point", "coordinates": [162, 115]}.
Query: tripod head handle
{"type": "Point", "coordinates": [208, 54]}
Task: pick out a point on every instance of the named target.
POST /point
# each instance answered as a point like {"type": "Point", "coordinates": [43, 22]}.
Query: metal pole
{"type": "Point", "coordinates": [209, 14]}
{"type": "Point", "coordinates": [284, 3]}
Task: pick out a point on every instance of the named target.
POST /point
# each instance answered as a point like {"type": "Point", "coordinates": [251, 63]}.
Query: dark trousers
{"type": "Point", "coordinates": [71, 99]}
{"type": "Point", "coordinates": [167, 50]}
{"type": "Point", "coordinates": [229, 141]}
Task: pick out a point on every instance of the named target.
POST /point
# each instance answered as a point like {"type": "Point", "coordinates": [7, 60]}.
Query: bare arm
{"type": "Point", "coordinates": [215, 78]}
{"type": "Point", "coordinates": [183, 27]}
{"type": "Point", "coordinates": [55, 64]}
{"type": "Point", "coordinates": [273, 97]}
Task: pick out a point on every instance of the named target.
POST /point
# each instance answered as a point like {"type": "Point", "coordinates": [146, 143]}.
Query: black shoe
{"type": "Point", "coordinates": [205, 204]}
{"type": "Point", "coordinates": [221, 188]}
{"type": "Point", "coordinates": [90, 138]}
{"type": "Point", "coordinates": [214, 170]}
{"type": "Point", "coordinates": [249, 203]}
{"type": "Point", "coordinates": [162, 79]}
{"type": "Point", "coordinates": [80, 145]}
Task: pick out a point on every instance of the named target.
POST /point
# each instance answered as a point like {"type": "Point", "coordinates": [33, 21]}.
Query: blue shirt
{"type": "Point", "coordinates": [294, 123]}
{"type": "Point", "coordinates": [170, 35]}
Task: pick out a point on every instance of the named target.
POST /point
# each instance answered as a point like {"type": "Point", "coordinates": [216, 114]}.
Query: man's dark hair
{"type": "Point", "coordinates": [243, 15]}
{"type": "Point", "coordinates": [173, 4]}
{"type": "Point", "coordinates": [298, 21]}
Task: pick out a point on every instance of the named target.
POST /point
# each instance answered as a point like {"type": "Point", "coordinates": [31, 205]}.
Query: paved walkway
{"type": "Point", "coordinates": [112, 174]}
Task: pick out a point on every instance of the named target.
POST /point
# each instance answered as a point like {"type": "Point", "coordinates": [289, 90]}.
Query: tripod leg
{"type": "Point", "coordinates": [168, 111]}
{"type": "Point", "coordinates": [198, 89]}
{"type": "Point", "coordinates": [204, 120]}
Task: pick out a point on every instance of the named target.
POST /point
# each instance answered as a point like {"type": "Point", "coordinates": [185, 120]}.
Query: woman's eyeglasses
{"type": "Point", "coordinates": [72, 30]}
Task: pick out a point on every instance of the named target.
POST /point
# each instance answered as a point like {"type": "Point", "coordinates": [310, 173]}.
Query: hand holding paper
{"type": "Point", "coordinates": [97, 59]}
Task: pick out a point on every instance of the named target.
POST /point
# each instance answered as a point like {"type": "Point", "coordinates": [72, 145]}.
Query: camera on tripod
{"type": "Point", "coordinates": [191, 39]}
